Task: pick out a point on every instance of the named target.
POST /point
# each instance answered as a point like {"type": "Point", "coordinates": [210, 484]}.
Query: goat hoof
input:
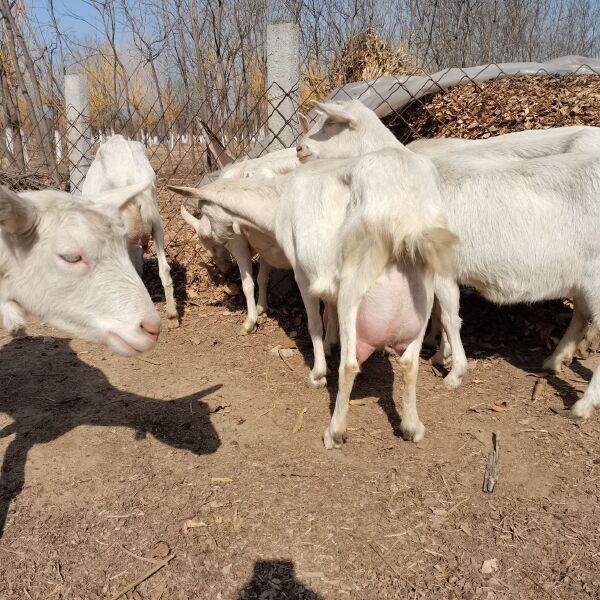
{"type": "Point", "coordinates": [582, 409]}
{"type": "Point", "coordinates": [452, 381]}
{"type": "Point", "coordinates": [262, 310]}
{"type": "Point", "coordinates": [553, 365]}
{"type": "Point", "coordinates": [173, 322]}
{"type": "Point", "coordinates": [317, 382]}
{"type": "Point", "coordinates": [438, 359]}
{"type": "Point", "coordinates": [249, 327]}
{"type": "Point", "coordinates": [333, 441]}
{"type": "Point", "coordinates": [413, 433]}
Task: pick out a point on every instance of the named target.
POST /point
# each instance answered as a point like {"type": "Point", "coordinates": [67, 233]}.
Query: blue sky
{"type": "Point", "coordinates": [71, 14]}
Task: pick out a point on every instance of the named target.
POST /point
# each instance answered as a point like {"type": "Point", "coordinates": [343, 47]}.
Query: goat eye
{"type": "Point", "coordinates": [71, 258]}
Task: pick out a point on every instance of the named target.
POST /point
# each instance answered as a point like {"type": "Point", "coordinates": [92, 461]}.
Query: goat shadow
{"type": "Point", "coordinates": [519, 334]}
{"type": "Point", "coordinates": [377, 373]}
{"type": "Point", "coordinates": [47, 391]}
{"type": "Point", "coordinates": [276, 579]}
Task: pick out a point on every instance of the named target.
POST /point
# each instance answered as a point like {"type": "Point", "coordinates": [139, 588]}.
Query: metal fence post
{"type": "Point", "coordinates": [283, 76]}
{"type": "Point", "coordinates": [79, 131]}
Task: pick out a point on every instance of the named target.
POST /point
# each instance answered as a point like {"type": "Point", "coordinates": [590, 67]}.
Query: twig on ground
{"type": "Point", "coordinates": [141, 578]}
{"type": "Point", "coordinates": [385, 560]}
{"type": "Point", "coordinates": [491, 467]}
{"type": "Point", "coordinates": [287, 364]}
{"type": "Point", "coordinates": [148, 560]}
{"type": "Point", "coordinates": [151, 362]}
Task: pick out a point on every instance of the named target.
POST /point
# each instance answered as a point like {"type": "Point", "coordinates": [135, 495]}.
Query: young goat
{"type": "Point", "coordinates": [528, 228]}
{"type": "Point", "coordinates": [366, 234]}
{"type": "Point", "coordinates": [119, 163]}
{"type": "Point", "coordinates": [68, 264]}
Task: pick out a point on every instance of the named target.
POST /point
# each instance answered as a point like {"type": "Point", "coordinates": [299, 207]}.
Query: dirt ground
{"type": "Point", "coordinates": [113, 465]}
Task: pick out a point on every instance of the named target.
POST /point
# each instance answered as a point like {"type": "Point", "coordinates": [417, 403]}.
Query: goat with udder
{"type": "Point", "coordinates": [375, 261]}
{"type": "Point", "coordinates": [119, 163]}
{"type": "Point", "coordinates": [238, 245]}
{"type": "Point", "coordinates": [517, 146]}
{"type": "Point", "coordinates": [528, 229]}
{"type": "Point", "coordinates": [67, 263]}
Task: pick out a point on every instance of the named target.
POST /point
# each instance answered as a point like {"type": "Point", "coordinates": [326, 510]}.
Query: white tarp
{"type": "Point", "coordinates": [389, 94]}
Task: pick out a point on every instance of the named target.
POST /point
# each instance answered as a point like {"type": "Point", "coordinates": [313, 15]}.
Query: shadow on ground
{"type": "Point", "coordinates": [275, 579]}
{"type": "Point", "coordinates": [47, 391]}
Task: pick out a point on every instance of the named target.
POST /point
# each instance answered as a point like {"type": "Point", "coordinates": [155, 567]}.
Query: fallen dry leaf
{"type": "Point", "coordinates": [161, 550]}
{"type": "Point", "coordinates": [192, 524]}
{"type": "Point", "coordinates": [232, 289]}
{"type": "Point", "coordinates": [489, 566]}
{"type": "Point", "coordinates": [299, 421]}
{"type": "Point", "coordinates": [288, 345]}
{"type": "Point", "coordinates": [501, 406]}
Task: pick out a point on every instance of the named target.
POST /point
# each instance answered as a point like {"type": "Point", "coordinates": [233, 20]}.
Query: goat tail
{"type": "Point", "coordinates": [437, 249]}
{"type": "Point", "coordinates": [399, 235]}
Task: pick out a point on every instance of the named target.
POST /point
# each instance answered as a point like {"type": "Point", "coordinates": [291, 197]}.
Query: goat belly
{"type": "Point", "coordinates": [392, 312]}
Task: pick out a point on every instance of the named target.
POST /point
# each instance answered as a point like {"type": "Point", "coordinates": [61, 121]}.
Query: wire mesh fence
{"type": "Point", "coordinates": [47, 152]}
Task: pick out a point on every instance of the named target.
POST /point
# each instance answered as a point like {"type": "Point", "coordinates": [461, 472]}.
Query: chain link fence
{"type": "Point", "coordinates": [56, 150]}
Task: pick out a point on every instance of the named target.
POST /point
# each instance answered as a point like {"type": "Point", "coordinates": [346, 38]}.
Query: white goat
{"type": "Point", "coordinates": [519, 145]}
{"type": "Point", "coordinates": [528, 229]}
{"type": "Point", "coordinates": [68, 264]}
{"type": "Point", "coordinates": [375, 261]}
{"type": "Point", "coordinates": [119, 163]}
{"type": "Point", "coordinates": [533, 143]}
{"type": "Point", "coordinates": [238, 246]}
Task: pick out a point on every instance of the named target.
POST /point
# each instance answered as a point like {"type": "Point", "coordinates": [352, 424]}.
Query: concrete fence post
{"type": "Point", "coordinates": [283, 77]}
{"type": "Point", "coordinates": [79, 131]}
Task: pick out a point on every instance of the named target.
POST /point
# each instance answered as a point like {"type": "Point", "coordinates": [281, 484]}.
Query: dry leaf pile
{"type": "Point", "coordinates": [517, 103]}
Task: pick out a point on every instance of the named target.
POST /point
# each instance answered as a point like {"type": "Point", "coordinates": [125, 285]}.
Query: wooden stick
{"type": "Point", "coordinates": [148, 560]}
{"type": "Point", "coordinates": [143, 577]}
{"type": "Point", "coordinates": [491, 468]}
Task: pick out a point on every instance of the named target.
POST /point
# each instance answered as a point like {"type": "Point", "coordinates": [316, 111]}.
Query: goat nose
{"type": "Point", "coordinates": [299, 148]}
{"type": "Point", "coordinates": [151, 327]}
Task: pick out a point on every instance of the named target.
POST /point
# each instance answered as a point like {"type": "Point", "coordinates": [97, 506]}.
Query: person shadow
{"type": "Point", "coordinates": [275, 579]}
{"type": "Point", "coordinates": [48, 391]}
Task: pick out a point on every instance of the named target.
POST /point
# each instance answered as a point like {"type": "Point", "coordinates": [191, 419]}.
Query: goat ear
{"type": "Point", "coordinates": [195, 197]}
{"type": "Point", "coordinates": [119, 197]}
{"type": "Point", "coordinates": [335, 113]}
{"type": "Point", "coordinates": [303, 124]}
{"type": "Point", "coordinates": [215, 147]}
{"type": "Point", "coordinates": [17, 214]}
